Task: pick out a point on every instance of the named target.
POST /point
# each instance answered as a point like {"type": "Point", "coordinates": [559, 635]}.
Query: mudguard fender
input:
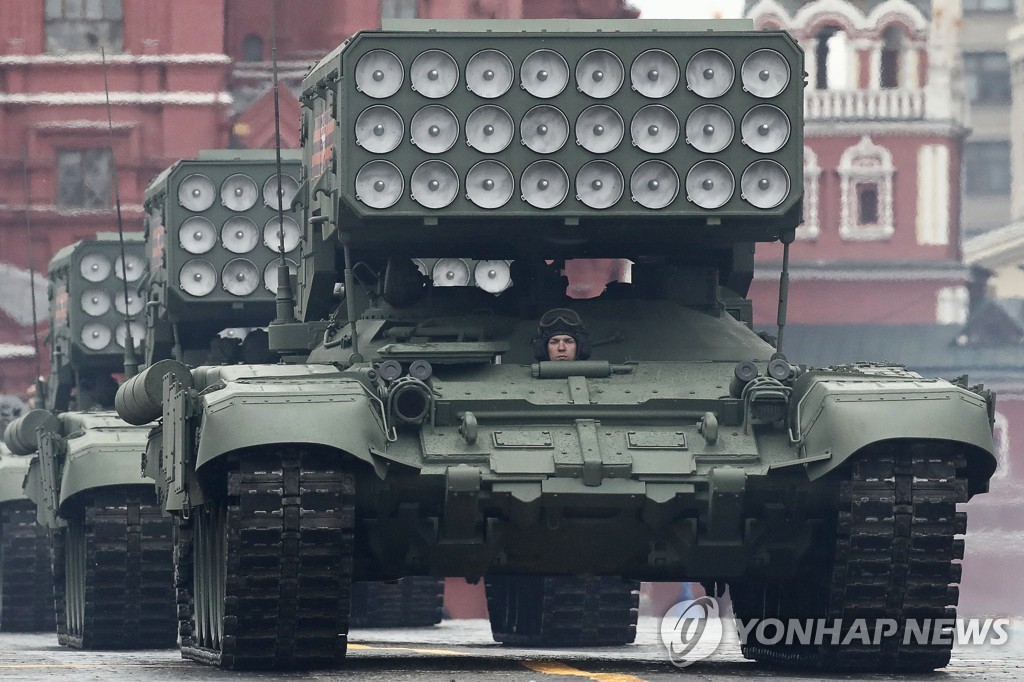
{"type": "Point", "coordinates": [96, 463]}
{"type": "Point", "coordinates": [44, 479]}
{"type": "Point", "coordinates": [833, 418]}
{"type": "Point", "coordinates": [33, 487]}
{"type": "Point", "coordinates": [337, 413]}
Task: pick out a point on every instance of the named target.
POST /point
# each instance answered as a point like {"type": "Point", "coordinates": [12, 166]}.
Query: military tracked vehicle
{"type": "Point", "coordinates": [449, 170]}
{"type": "Point", "coordinates": [213, 232]}
{"type": "Point", "coordinates": [26, 590]}
{"type": "Point", "coordinates": [111, 544]}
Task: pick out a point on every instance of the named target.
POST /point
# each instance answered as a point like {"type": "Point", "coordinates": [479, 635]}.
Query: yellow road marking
{"type": "Point", "coordinates": [552, 668]}
{"type": "Point", "coordinates": [442, 652]}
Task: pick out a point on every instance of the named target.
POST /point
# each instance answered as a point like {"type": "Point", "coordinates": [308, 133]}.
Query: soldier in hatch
{"type": "Point", "coordinates": [561, 335]}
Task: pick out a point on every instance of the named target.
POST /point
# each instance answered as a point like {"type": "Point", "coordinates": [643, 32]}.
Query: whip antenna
{"type": "Point", "coordinates": [283, 297]}
{"type": "Point", "coordinates": [131, 363]}
{"type": "Point", "coordinates": [40, 386]}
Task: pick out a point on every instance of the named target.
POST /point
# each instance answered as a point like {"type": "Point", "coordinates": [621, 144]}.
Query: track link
{"type": "Point", "coordinates": [416, 601]}
{"type": "Point", "coordinates": [562, 611]}
{"type": "Point", "coordinates": [264, 573]}
{"type": "Point", "coordinates": [26, 599]}
{"type": "Point", "coordinates": [895, 557]}
{"type": "Point", "coordinates": [117, 573]}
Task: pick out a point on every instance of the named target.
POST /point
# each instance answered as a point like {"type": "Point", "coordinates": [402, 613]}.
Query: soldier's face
{"type": "Point", "coordinates": [561, 347]}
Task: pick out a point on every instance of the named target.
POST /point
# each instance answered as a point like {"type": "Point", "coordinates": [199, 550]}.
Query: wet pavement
{"type": "Point", "coordinates": [458, 650]}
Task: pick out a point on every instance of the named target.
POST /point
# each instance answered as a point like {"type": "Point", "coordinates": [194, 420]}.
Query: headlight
{"type": "Point", "coordinates": [238, 192]}
{"type": "Point", "coordinates": [710, 184]}
{"type": "Point", "coordinates": [240, 277]}
{"type": "Point", "coordinates": [274, 230]}
{"type": "Point", "coordinates": [450, 272]}
{"type": "Point", "coordinates": [379, 74]}
{"type": "Point", "coordinates": [710, 73]}
{"type": "Point", "coordinates": [599, 184]}
{"type": "Point", "coordinates": [196, 192]}
{"type": "Point", "coordinates": [655, 74]}
{"type": "Point", "coordinates": [434, 184]}
{"type": "Point", "coordinates": [489, 74]}
{"type": "Point", "coordinates": [765, 184]}
{"type": "Point", "coordinates": [197, 277]}
{"type": "Point", "coordinates": [94, 267]}
{"type": "Point", "coordinates": [434, 74]}
{"type": "Point", "coordinates": [95, 336]}
{"type": "Point", "coordinates": [288, 189]}
{"type": "Point", "coordinates": [196, 235]}
{"type": "Point", "coordinates": [138, 334]}
{"type": "Point", "coordinates": [95, 302]}
{"type": "Point", "coordinates": [239, 235]}
{"type": "Point", "coordinates": [135, 304]}
{"type": "Point", "coordinates": [493, 276]}
{"type": "Point", "coordinates": [132, 268]}
{"type": "Point", "coordinates": [765, 73]}
{"type": "Point", "coordinates": [599, 73]}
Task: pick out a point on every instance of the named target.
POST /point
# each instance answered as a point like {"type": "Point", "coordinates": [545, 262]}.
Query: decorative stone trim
{"type": "Point", "coordinates": [866, 164]}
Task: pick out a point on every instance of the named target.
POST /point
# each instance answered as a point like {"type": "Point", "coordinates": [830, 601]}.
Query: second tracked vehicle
{"type": "Point", "coordinates": [111, 546]}
{"type": "Point", "coordinates": [212, 234]}
{"type": "Point", "coordinates": [417, 426]}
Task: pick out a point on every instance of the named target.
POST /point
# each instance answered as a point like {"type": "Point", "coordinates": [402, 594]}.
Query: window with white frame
{"type": "Point", "coordinates": [84, 178]}
{"type": "Point", "coordinates": [866, 192]}
{"type": "Point", "coordinates": [810, 228]}
{"type": "Point", "coordinates": [952, 305]}
{"type": "Point", "coordinates": [84, 26]}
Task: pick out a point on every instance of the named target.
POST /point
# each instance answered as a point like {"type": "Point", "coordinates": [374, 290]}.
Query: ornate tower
{"type": "Point", "coordinates": [885, 122]}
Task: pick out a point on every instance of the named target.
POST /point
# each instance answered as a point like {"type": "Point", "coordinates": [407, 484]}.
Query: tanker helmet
{"type": "Point", "coordinates": [561, 321]}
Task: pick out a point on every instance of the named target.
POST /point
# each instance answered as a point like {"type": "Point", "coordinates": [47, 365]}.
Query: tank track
{"type": "Point", "coordinates": [263, 574]}
{"type": "Point", "coordinates": [58, 560]}
{"type": "Point", "coordinates": [417, 601]}
{"type": "Point", "coordinates": [895, 557]}
{"type": "Point", "coordinates": [26, 601]}
{"type": "Point", "coordinates": [117, 572]}
{"type": "Point", "coordinates": [562, 611]}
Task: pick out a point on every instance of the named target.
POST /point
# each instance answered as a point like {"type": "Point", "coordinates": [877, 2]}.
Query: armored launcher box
{"type": "Point", "coordinates": [213, 236]}
{"type": "Point", "coordinates": [111, 546]}
{"type": "Point", "coordinates": [449, 171]}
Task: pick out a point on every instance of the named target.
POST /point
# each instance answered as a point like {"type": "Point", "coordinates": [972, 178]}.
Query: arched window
{"type": "Point", "coordinates": [252, 49]}
{"type": "Point", "coordinates": [832, 59]}
{"type": "Point", "coordinates": [866, 192]}
{"type": "Point", "coordinates": [892, 50]}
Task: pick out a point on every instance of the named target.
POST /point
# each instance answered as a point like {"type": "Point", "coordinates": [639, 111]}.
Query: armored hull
{"type": "Point", "coordinates": [655, 464]}
{"type": "Point", "coordinates": [111, 545]}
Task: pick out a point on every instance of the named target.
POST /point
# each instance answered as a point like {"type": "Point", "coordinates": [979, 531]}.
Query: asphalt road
{"type": "Point", "coordinates": [460, 651]}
